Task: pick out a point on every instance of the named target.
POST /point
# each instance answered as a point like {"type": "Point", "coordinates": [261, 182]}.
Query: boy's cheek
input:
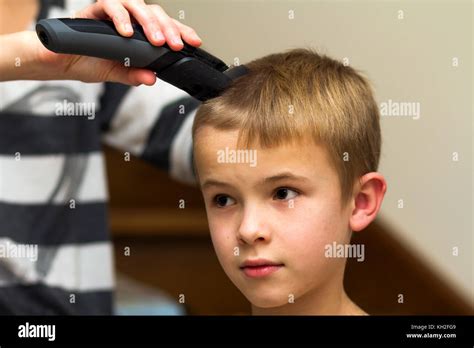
{"type": "Point", "coordinates": [226, 254]}
{"type": "Point", "coordinates": [224, 243]}
{"type": "Point", "coordinates": [308, 266]}
{"type": "Point", "coordinates": [308, 238]}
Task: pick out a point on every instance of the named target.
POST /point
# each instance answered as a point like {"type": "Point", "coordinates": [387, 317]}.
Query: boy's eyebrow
{"type": "Point", "coordinates": [283, 176]}
{"type": "Point", "coordinates": [270, 179]}
{"type": "Point", "coordinates": [213, 182]}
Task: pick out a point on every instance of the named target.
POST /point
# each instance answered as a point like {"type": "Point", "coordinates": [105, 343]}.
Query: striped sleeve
{"type": "Point", "coordinates": [153, 123]}
{"type": "Point", "coordinates": [55, 252]}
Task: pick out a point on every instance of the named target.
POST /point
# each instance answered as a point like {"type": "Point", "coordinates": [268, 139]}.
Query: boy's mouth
{"type": "Point", "coordinates": [258, 268]}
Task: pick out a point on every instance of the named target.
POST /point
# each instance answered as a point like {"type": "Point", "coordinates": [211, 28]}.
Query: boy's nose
{"type": "Point", "coordinates": [252, 228]}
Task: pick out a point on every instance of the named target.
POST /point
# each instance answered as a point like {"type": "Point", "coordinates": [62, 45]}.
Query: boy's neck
{"type": "Point", "coordinates": [330, 300]}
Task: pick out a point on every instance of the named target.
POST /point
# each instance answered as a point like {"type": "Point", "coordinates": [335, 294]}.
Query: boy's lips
{"type": "Point", "coordinates": [258, 268]}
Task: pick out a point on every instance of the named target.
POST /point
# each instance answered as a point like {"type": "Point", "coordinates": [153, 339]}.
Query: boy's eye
{"type": "Point", "coordinates": [223, 201]}
{"type": "Point", "coordinates": [284, 193]}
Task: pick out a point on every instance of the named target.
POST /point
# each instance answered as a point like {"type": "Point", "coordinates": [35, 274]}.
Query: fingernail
{"type": "Point", "coordinates": [158, 36]}
{"type": "Point", "coordinates": [128, 28]}
{"type": "Point", "coordinates": [177, 41]}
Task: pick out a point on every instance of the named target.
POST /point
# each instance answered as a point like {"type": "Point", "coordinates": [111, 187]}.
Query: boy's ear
{"type": "Point", "coordinates": [367, 200]}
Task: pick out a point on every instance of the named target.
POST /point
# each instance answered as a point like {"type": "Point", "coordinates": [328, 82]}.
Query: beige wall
{"type": "Point", "coordinates": [408, 60]}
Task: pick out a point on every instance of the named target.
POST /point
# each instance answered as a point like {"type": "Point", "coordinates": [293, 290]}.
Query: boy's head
{"type": "Point", "coordinates": [286, 158]}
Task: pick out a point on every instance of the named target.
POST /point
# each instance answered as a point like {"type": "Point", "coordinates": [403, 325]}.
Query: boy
{"type": "Point", "coordinates": [286, 159]}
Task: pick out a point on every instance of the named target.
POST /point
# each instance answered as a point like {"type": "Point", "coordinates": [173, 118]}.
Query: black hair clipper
{"type": "Point", "coordinates": [191, 69]}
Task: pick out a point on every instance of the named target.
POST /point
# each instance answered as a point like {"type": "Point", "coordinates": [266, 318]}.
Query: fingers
{"type": "Point", "coordinates": [157, 25]}
{"type": "Point", "coordinates": [93, 11]}
{"type": "Point", "coordinates": [169, 28]}
{"type": "Point", "coordinates": [147, 19]}
{"type": "Point", "coordinates": [188, 34]}
{"type": "Point", "coordinates": [119, 15]}
{"type": "Point", "coordinates": [109, 9]}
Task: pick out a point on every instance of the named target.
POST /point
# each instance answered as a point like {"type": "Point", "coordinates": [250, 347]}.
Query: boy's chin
{"type": "Point", "coordinates": [262, 301]}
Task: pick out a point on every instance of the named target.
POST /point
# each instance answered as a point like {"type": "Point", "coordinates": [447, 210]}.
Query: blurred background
{"type": "Point", "coordinates": [420, 246]}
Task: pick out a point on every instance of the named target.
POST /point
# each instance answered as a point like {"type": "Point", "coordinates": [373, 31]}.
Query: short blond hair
{"type": "Point", "coordinates": [299, 95]}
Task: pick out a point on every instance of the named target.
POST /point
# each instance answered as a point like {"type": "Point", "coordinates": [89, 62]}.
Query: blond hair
{"type": "Point", "coordinates": [289, 96]}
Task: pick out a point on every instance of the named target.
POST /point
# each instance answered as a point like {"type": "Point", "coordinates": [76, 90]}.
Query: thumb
{"type": "Point", "coordinates": [129, 76]}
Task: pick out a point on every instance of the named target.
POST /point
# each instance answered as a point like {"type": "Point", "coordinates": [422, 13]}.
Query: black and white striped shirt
{"type": "Point", "coordinates": [53, 190]}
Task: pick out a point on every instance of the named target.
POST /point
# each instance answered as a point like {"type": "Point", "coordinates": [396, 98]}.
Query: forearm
{"type": "Point", "coordinates": [19, 58]}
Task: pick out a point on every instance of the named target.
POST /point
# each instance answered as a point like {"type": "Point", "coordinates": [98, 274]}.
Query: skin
{"type": "Point", "coordinates": [38, 63]}
{"type": "Point", "coordinates": [249, 208]}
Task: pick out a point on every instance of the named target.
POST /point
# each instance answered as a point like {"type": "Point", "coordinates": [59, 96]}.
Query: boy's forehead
{"type": "Point", "coordinates": [216, 151]}
{"type": "Point", "coordinates": [211, 137]}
